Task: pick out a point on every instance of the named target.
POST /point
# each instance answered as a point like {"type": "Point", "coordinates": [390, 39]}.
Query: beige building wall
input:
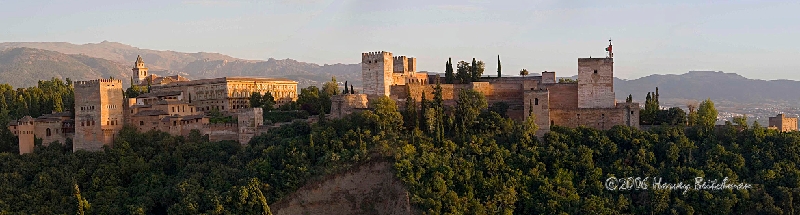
{"type": "Point", "coordinates": [783, 123]}
{"type": "Point", "coordinates": [377, 70]}
{"type": "Point", "coordinates": [596, 83]}
{"type": "Point", "coordinates": [98, 113]}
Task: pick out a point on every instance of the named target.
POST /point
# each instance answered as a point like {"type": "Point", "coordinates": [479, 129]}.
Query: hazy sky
{"type": "Point", "coordinates": [757, 39]}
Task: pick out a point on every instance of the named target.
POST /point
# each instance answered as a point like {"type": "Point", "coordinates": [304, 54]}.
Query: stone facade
{"type": "Point", "coordinates": [783, 123]}
{"type": "Point", "coordinates": [230, 93]}
{"type": "Point", "coordinates": [345, 104]}
{"type": "Point", "coordinates": [590, 102]}
{"type": "Point", "coordinates": [98, 113]}
{"type": "Point", "coordinates": [174, 105]}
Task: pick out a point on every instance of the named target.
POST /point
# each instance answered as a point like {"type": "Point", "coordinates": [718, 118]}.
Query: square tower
{"type": "Point", "coordinates": [376, 72]}
{"type": "Point", "coordinates": [139, 72]}
{"type": "Point", "coordinates": [596, 83]}
{"type": "Point", "coordinates": [98, 113]}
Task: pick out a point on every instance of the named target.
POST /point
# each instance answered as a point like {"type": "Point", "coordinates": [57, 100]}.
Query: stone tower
{"type": "Point", "coordinates": [139, 71]}
{"type": "Point", "coordinates": [596, 83]}
{"type": "Point", "coordinates": [376, 72]}
{"type": "Point", "coordinates": [98, 113]}
{"type": "Point", "coordinates": [26, 136]}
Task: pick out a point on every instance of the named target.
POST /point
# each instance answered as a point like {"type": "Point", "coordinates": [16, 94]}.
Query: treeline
{"type": "Point", "coordinates": [492, 165]}
{"type": "Point", "coordinates": [46, 97]}
{"type": "Point", "coordinates": [155, 173]}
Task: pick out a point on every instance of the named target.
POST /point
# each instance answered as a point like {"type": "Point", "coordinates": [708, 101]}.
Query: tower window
{"type": "Point", "coordinates": [536, 101]}
{"type": "Point", "coordinates": [595, 71]}
{"type": "Point", "coordinates": [141, 122]}
{"type": "Point", "coordinates": [48, 132]}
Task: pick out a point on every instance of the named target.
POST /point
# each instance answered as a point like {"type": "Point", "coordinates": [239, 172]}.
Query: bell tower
{"type": "Point", "coordinates": [139, 71]}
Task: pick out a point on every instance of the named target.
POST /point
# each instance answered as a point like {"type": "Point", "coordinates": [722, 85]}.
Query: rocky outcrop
{"type": "Point", "coordinates": [370, 188]}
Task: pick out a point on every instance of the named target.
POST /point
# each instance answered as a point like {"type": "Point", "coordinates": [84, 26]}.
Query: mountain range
{"type": "Point", "coordinates": [24, 63]}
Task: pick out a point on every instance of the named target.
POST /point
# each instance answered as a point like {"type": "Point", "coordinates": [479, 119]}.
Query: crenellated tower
{"type": "Point", "coordinates": [98, 113]}
{"type": "Point", "coordinates": [139, 71]}
{"type": "Point", "coordinates": [376, 72]}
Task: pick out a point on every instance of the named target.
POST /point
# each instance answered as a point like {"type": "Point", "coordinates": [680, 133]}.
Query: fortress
{"type": "Point", "coordinates": [175, 105]}
{"type": "Point", "coordinates": [590, 102]}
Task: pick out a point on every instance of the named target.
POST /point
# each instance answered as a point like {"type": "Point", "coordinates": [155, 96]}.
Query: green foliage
{"type": "Point", "coordinates": [331, 88]}
{"type": "Point", "coordinates": [285, 116]}
{"type": "Point", "coordinates": [449, 77]}
{"type": "Point", "coordinates": [463, 72]}
{"type": "Point", "coordinates": [567, 81]}
{"type": "Point", "coordinates": [706, 117]}
{"type": "Point", "coordinates": [523, 72]}
{"type": "Point", "coordinates": [499, 70]}
{"type": "Point", "coordinates": [313, 100]}
{"type": "Point", "coordinates": [217, 117]}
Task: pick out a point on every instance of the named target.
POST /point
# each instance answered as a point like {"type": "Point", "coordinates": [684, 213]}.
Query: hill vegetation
{"type": "Point", "coordinates": [453, 160]}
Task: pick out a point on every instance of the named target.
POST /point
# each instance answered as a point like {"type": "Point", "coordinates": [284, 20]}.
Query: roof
{"type": "Point", "coordinates": [193, 117]}
{"type": "Point", "coordinates": [166, 102]}
{"type": "Point", "coordinates": [26, 119]}
{"type": "Point", "coordinates": [151, 113]}
{"type": "Point", "coordinates": [160, 94]}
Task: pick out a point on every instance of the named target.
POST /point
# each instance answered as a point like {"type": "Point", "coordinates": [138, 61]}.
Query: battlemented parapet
{"type": "Point", "coordinates": [98, 113]}
{"type": "Point", "coordinates": [25, 128]}
{"type": "Point", "coordinates": [376, 72]}
{"type": "Point", "coordinates": [548, 77]}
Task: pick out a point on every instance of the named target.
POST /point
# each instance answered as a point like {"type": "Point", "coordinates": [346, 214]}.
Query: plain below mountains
{"type": "Point", "coordinates": [24, 63]}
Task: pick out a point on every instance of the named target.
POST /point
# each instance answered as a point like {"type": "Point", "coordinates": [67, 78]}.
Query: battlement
{"type": "Point", "coordinates": [400, 58]}
{"type": "Point", "coordinates": [374, 56]}
{"type": "Point", "coordinates": [221, 125]}
{"type": "Point", "coordinates": [97, 82]}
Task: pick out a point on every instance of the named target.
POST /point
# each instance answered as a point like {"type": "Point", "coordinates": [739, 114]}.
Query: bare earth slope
{"type": "Point", "coordinates": [366, 189]}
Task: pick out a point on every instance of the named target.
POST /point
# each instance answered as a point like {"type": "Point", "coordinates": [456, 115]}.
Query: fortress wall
{"type": "Point", "coordinates": [56, 134]}
{"type": "Point", "coordinates": [342, 105]}
{"type": "Point", "coordinates": [598, 118]}
{"type": "Point", "coordinates": [563, 96]}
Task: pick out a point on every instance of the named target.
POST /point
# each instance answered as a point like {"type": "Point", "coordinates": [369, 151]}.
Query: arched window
{"type": "Point", "coordinates": [536, 101]}
{"type": "Point", "coordinates": [48, 132]}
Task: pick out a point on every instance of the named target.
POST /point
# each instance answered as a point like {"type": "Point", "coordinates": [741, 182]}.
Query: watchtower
{"type": "Point", "coordinates": [98, 113]}
{"type": "Point", "coordinates": [25, 133]}
{"type": "Point", "coordinates": [376, 72]}
{"type": "Point", "coordinates": [139, 71]}
{"type": "Point", "coordinates": [596, 82]}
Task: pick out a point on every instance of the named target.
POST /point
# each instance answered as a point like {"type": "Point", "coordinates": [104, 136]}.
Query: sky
{"type": "Point", "coordinates": [756, 39]}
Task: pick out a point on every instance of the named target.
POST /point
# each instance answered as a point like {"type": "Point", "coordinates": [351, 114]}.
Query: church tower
{"type": "Point", "coordinates": [139, 71]}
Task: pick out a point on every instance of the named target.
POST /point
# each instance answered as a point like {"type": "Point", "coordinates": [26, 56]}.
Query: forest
{"type": "Point", "coordinates": [464, 159]}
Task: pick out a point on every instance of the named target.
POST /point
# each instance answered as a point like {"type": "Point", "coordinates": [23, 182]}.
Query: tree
{"type": "Point", "coordinates": [389, 119]}
{"type": "Point", "coordinates": [448, 71]}
{"type": "Point", "coordinates": [423, 110]}
{"type": "Point", "coordinates": [629, 99]}
{"type": "Point", "coordinates": [706, 117]}
{"type": "Point", "coordinates": [331, 88]}
{"type": "Point", "coordinates": [267, 101]}
{"type": "Point", "coordinates": [567, 81]}
{"type": "Point", "coordinates": [309, 100]}
{"type": "Point", "coordinates": [346, 91]}
{"type": "Point", "coordinates": [499, 73]}
{"type": "Point", "coordinates": [523, 72]}
{"type": "Point", "coordinates": [470, 103]}
{"type": "Point", "coordinates": [740, 121]}
{"type": "Point", "coordinates": [351, 90]}
{"type": "Point", "coordinates": [255, 100]}
{"type": "Point", "coordinates": [463, 74]}
{"type": "Point", "coordinates": [410, 113]}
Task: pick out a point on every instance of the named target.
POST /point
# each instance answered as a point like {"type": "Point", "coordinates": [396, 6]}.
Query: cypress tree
{"type": "Point", "coordinates": [499, 74]}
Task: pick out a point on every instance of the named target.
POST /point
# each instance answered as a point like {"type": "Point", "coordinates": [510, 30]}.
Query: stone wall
{"type": "Point", "coordinates": [537, 102]}
{"type": "Point", "coordinates": [598, 118]}
{"type": "Point", "coordinates": [342, 105]}
{"type": "Point", "coordinates": [596, 83]}
{"type": "Point", "coordinates": [51, 127]}
{"type": "Point", "coordinates": [563, 96]}
{"type": "Point", "coordinates": [25, 130]}
{"type": "Point", "coordinates": [783, 123]}
{"type": "Point", "coordinates": [376, 72]}
{"type": "Point", "coordinates": [219, 132]}
{"type": "Point", "coordinates": [98, 117]}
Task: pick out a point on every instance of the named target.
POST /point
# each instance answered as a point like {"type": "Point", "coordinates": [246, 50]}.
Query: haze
{"type": "Point", "coordinates": [757, 39]}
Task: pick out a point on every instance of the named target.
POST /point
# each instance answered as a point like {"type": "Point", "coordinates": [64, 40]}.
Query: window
{"type": "Point", "coordinates": [174, 123]}
{"type": "Point", "coordinates": [536, 101]}
{"type": "Point", "coordinates": [48, 132]}
{"type": "Point", "coordinates": [141, 122]}
{"type": "Point", "coordinates": [81, 123]}
{"type": "Point", "coordinates": [595, 71]}
{"type": "Point", "coordinates": [631, 112]}
{"type": "Point", "coordinates": [173, 109]}
{"type": "Point", "coordinates": [552, 123]}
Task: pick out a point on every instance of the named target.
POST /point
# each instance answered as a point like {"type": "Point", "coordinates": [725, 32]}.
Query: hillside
{"type": "Point", "coordinates": [202, 64]}
{"type": "Point", "coordinates": [23, 67]}
{"type": "Point", "coordinates": [370, 188]}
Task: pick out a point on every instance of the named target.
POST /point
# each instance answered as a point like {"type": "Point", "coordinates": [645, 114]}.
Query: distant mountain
{"type": "Point", "coordinates": [719, 86]}
{"type": "Point", "coordinates": [23, 67]}
{"type": "Point", "coordinates": [202, 65]}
